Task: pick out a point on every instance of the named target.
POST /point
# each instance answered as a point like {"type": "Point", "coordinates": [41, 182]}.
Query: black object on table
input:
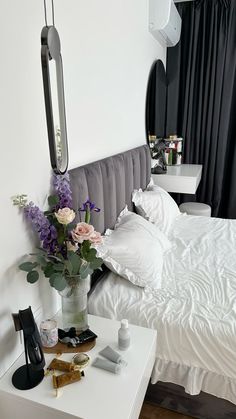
{"type": "Point", "coordinates": [31, 374]}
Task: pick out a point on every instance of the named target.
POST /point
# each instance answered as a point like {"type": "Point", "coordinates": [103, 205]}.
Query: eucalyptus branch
{"type": "Point", "coordinates": [20, 200]}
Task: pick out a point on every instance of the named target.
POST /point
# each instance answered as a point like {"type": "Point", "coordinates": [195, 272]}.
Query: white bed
{"type": "Point", "coordinates": [193, 305]}
{"type": "Point", "coordinates": [194, 312]}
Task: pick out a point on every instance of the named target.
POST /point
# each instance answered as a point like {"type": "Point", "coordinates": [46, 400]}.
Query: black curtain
{"type": "Point", "coordinates": [201, 105]}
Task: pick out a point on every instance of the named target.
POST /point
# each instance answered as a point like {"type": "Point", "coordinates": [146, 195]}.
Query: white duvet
{"type": "Point", "coordinates": [195, 310]}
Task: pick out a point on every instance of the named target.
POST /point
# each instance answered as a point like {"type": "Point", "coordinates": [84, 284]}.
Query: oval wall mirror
{"type": "Point", "coordinates": [54, 98]}
{"type": "Point", "coordinates": [156, 101]}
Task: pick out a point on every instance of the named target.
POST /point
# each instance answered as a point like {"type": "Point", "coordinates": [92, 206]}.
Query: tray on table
{"type": "Point", "coordinates": [63, 348]}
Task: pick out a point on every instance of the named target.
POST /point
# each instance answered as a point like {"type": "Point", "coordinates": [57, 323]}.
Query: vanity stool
{"type": "Point", "coordinates": [195, 208]}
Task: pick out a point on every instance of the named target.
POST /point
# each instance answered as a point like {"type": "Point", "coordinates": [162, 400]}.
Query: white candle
{"type": "Point", "coordinates": [49, 333]}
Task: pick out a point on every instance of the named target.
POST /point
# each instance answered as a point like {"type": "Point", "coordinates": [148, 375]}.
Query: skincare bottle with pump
{"type": "Point", "coordinates": [124, 335]}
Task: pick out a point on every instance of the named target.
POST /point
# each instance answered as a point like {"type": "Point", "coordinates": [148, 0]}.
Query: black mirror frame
{"type": "Point", "coordinates": [156, 101]}
{"type": "Point", "coordinates": [51, 49]}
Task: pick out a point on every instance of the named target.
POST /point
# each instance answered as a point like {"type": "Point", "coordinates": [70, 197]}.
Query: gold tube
{"type": "Point", "coordinates": [60, 365]}
{"type": "Point", "coordinates": [65, 379]}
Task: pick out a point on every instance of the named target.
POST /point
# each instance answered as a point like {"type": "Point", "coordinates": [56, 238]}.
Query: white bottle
{"type": "Point", "coordinates": [124, 335]}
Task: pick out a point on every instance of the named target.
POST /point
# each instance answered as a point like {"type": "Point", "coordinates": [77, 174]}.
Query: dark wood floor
{"type": "Point", "coordinates": [150, 411]}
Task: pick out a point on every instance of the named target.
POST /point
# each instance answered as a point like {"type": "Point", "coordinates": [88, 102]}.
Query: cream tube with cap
{"type": "Point", "coordinates": [107, 365]}
{"type": "Point", "coordinates": [112, 355]}
{"type": "Point", "coordinates": [124, 335]}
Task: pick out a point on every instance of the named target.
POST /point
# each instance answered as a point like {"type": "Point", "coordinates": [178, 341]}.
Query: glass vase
{"type": "Point", "coordinates": [74, 302]}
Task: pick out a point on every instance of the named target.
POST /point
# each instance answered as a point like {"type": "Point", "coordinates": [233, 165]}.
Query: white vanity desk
{"type": "Point", "coordinates": [100, 394]}
{"type": "Point", "coordinates": [180, 179]}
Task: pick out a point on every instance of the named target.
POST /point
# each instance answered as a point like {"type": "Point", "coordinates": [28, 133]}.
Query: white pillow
{"type": "Point", "coordinates": [134, 250]}
{"type": "Point", "coordinates": [157, 206]}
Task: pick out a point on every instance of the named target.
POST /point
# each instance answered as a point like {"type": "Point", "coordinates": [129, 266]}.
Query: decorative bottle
{"type": "Point", "coordinates": [124, 335]}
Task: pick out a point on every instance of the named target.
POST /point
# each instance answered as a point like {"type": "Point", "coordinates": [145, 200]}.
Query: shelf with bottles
{"type": "Point", "coordinates": [153, 141]}
{"type": "Point", "coordinates": [173, 150]}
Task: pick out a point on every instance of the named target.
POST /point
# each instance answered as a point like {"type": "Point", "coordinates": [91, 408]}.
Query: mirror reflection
{"type": "Point", "coordinates": [156, 115]}
{"type": "Point", "coordinates": [156, 101]}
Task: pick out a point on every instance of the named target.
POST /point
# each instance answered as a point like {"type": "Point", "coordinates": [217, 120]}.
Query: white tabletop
{"type": "Point", "coordinates": [181, 179]}
{"type": "Point", "coordinates": [100, 394]}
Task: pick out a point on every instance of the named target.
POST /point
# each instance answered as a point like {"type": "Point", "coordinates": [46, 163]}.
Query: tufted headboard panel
{"type": "Point", "coordinates": [109, 183]}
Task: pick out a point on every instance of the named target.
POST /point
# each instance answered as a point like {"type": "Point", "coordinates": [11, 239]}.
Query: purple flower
{"type": "Point", "coordinates": [62, 187]}
{"type": "Point", "coordinates": [47, 232]}
{"type": "Point", "coordinates": [89, 206]}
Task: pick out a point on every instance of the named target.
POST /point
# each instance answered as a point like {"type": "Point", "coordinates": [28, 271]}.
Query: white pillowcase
{"type": "Point", "coordinates": [157, 206]}
{"type": "Point", "coordinates": [134, 250]}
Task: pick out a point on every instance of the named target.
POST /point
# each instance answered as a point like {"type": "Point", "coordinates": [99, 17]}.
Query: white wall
{"type": "Point", "coordinates": [107, 53]}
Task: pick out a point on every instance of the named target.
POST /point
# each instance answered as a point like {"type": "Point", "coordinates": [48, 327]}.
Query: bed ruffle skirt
{"type": "Point", "coordinates": [194, 379]}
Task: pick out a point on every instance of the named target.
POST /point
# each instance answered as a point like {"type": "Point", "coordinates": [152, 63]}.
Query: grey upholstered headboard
{"type": "Point", "coordinates": [110, 183]}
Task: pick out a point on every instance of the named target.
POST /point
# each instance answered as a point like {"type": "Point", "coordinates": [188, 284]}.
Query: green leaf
{"type": "Point", "coordinates": [59, 267]}
{"type": "Point", "coordinates": [53, 200]}
{"type": "Point", "coordinates": [42, 260]}
{"type": "Point", "coordinates": [48, 213]}
{"type": "Point", "coordinates": [69, 267]}
{"type": "Point", "coordinates": [32, 276]}
{"type": "Point", "coordinates": [52, 220]}
{"type": "Point", "coordinates": [75, 261]}
{"type": "Point", "coordinates": [88, 253]}
{"type": "Point", "coordinates": [57, 281]}
{"type": "Point", "coordinates": [91, 255]}
{"type": "Point", "coordinates": [86, 249]}
{"type": "Point", "coordinates": [39, 250]}
{"type": "Point", "coordinates": [28, 266]}
{"type": "Point", "coordinates": [96, 263]}
{"type": "Point", "coordinates": [48, 269]}
{"type": "Point", "coordinates": [85, 270]}
{"type": "Point", "coordinates": [58, 259]}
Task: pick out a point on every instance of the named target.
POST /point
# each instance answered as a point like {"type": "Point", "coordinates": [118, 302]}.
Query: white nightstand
{"type": "Point", "coordinates": [100, 394]}
{"type": "Point", "coordinates": [181, 179]}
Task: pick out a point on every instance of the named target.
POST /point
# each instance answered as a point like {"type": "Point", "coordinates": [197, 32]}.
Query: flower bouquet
{"type": "Point", "coordinates": [66, 255]}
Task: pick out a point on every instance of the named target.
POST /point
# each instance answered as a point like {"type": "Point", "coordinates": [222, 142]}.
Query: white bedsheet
{"type": "Point", "coordinates": [195, 310]}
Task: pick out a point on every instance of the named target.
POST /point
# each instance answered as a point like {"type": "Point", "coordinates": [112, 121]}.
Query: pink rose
{"type": "Point", "coordinates": [96, 238]}
{"type": "Point", "coordinates": [65, 215]}
{"type": "Point", "coordinates": [81, 232]}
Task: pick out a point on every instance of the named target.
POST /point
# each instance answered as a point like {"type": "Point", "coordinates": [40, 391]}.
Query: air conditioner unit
{"type": "Point", "coordinates": [164, 22]}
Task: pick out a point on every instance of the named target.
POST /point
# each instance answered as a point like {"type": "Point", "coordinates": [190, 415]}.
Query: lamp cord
{"type": "Point", "coordinates": [45, 13]}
